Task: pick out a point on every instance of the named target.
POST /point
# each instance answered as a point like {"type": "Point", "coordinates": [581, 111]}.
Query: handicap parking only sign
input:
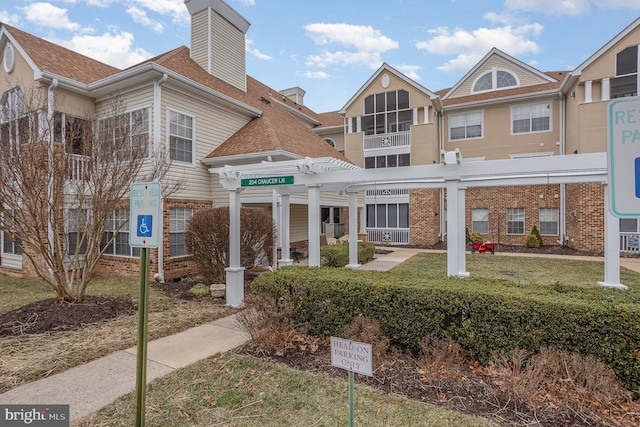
{"type": "Point", "coordinates": [145, 209]}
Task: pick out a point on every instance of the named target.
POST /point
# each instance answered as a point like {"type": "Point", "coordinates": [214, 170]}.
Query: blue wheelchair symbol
{"type": "Point", "coordinates": [145, 224]}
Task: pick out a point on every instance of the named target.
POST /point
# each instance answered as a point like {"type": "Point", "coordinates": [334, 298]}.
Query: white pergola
{"type": "Point", "coordinates": [311, 176]}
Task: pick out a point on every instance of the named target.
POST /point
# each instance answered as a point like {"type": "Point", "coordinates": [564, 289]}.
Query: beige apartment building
{"type": "Point", "coordinates": [200, 104]}
{"type": "Point", "coordinates": [501, 109]}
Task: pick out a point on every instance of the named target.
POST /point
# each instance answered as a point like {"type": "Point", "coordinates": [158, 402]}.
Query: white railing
{"type": "Point", "coordinates": [390, 192]}
{"type": "Point", "coordinates": [630, 242]}
{"type": "Point", "coordinates": [77, 167]}
{"type": "Point", "coordinates": [394, 236]}
{"type": "Point", "coordinates": [387, 140]}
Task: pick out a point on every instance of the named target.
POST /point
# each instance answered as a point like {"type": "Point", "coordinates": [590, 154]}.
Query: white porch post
{"type": "Point", "coordinates": [275, 217]}
{"type": "Point", "coordinates": [353, 231]}
{"type": "Point", "coordinates": [456, 262]}
{"type": "Point", "coordinates": [462, 235]}
{"type": "Point", "coordinates": [363, 220]}
{"type": "Point", "coordinates": [235, 272]}
{"type": "Point", "coordinates": [611, 246]}
{"type": "Point", "coordinates": [314, 225]}
{"type": "Point", "coordinates": [285, 256]}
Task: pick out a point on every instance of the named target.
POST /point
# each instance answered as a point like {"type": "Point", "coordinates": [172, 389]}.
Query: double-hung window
{"type": "Point", "coordinates": [127, 133]}
{"type": "Point", "coordinates": [181, 137]}
{"type": "Point", "coordinates": [626, 81]}
{"type": "Point", "coordinates": [531, 118]}
{"type": "Point", "coordinates": [10, 239]}
{"type": "Point", "coordinates": [515, 221]}
{"type": "Point", "coordinates": [465, 126]}
{"type": "Point", "coordinates": [118, 225]}
{"type": "Point", "coordinates": [548, 221]}
{"type": "Point", "coordinates": [178, 220]}
{"type": "Point", "coordinates": [480, 221]}
{"type": "Point", "coordinates": [77, 232]}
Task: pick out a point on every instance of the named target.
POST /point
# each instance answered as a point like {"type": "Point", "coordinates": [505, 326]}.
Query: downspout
{"type": "Point", "coordinates": [443, 217]}
{"type": "Point", "coordinates": [563, 190]}
{"type": "Point", "coordinates": [50, 113]}
{"type": "Point", "coordinates": [157, 105]}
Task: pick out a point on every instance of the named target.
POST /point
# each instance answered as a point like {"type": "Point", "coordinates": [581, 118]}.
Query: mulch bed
{"type": "Point", "coordinates": [471, 390]}
{"type": "Point", "coordinates": [51, 315]}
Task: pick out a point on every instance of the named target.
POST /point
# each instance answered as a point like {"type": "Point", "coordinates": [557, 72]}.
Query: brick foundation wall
{"type": "Point", "coordinates": [585, 229]}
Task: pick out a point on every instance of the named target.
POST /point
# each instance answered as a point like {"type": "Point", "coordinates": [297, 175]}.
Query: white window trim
{"type": "Point", "coordinates": [176, 232]}
{"type": "Point", "coordinates": [168, 137]}
{"type": "Point", "coordinates": [557, 221]}
{"type": "Point", "coordinates": [494, 80]}
{"type": "Point", "coordinates": [465, 114]}
{"type": "Point", "coordinates": [524, 223]}
{"type": "Point", "coordinates": [550, 104]}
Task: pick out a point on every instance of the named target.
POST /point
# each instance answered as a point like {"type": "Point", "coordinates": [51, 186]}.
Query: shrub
{"type": "Point", "coordinates": [535, 232]}
{"type": "Point", "coordinates": [367, 330]}
{"type": "Point", "coordinates": [484, 316]}
{"type": "Point", "coordinates": [532, 241]}
{"type": "Point", "coordinates": [268, 322]}
{"type": "Point", "coordinates": [200, 290]}
{"type": "Point", "coordinates": [338, 255]}
{"type": "Point", "coordinates": [476, 237]}
{"type": "Point", "coordinates": [207, 238]}
{"type": "Point", "coordinates": [440, 358]}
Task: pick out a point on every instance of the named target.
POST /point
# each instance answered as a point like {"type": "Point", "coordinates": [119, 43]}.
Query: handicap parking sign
{"type": "Point", "coordinates": [145, 225]}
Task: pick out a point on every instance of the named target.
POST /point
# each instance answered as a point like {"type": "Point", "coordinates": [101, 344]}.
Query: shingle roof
{"type": "Point", "coordinates": [332, 118]}
{"type": "Point", "coordinates": [276, 130]}
{"type": "Point", "coordinates": [56, 59]}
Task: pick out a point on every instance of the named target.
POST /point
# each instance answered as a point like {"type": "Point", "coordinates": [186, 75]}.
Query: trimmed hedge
{"type": "Point", "coordinates": [484, 316]}
{"type": "Point", "coordinates": [338, 255]}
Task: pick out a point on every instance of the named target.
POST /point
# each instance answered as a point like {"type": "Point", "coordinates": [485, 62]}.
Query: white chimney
{"type": "Point", "coordinates": [218, 40]}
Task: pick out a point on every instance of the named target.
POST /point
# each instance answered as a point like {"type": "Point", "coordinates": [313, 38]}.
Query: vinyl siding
{"type": "Point", "coordinates": [213, 125]}
{"type": "Point", "coordinates": [228, 52]}
{"type": "Point", "coordinates": [199, 38]}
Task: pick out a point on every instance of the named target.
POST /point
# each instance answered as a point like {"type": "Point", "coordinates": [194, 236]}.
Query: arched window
{"type": "Point", "coordinates": [505, 79]}
{"type": "Point", "coordinates": [495, 79]}
{"type": "Point", "coordinates": [330, 142]}
{"type": "Point", "coordinates": [484, 83]}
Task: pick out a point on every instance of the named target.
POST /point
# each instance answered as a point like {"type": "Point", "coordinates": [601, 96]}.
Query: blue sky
{"type": "Point", "coordinates": [330, 48]}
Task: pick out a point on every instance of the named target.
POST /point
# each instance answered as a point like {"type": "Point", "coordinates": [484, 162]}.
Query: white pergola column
{"type": "Point", "coordinates": [314, 225]}
{"type": "Point", "coordinates": [235, 272]}
{"type": "Point", "coordinates": [353, 231]}
{"type": "Point", "coordinates": [275, 217]}
{"type": "Point", "coordinates": [285, 255]}
{"type": "Point", "coordinates": [363, 220]}
{"type": "Point", "coordinates": [611, 246]}
{"type": "Point", "coordinates": [456, 261]}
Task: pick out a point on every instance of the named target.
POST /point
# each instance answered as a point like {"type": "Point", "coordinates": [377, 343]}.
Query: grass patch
{"type": "Point", "coordinates": [236, 390]}
{"type": "Point", "coordinates": [28, 358]}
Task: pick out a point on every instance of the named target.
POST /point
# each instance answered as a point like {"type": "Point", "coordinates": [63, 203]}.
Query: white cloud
{"type": "Point", "coordinates": [9, 18]}
{"type": "Point", "coordinates": [255, 52]}
{"type": "Point", "coordinates": [410, 71]}
{"type": "Point", "coordinates": [139, 16]}
{"type": "Point", "coordinates": [362, 45]}
{"type": "Point", "coordinates": [173, 8]}
{"type": "Point", "coordinates": [550, 7]}
{"type": "Point", "coordinates": [48, 15]}
{"type": "Point", "coordinates": [112, 49]}
{"type": "Point", "coordinates": [317, 75]}
{"type": "Point", "coordinates": [615, 4]}
{"type": "Point", "coordinates": [471, 46]}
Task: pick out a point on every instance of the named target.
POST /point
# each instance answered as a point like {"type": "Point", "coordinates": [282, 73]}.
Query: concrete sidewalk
{"type": "Point", "coordinates": [92, 386]}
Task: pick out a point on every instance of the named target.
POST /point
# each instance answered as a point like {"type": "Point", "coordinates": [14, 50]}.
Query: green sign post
{"type": "Point", "coordinates": [266, 180]}
{"type": "Point", "coordinates": [144, 233]}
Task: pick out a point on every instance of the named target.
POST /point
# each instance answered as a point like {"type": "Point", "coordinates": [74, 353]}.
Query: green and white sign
{"type": "Point", "coordinates": [267, 180]}
{"type": "Point", "coordinates": [623, 127]}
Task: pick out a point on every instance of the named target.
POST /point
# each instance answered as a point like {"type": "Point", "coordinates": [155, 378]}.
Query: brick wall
{"type": "Point", "coordinates": [424, 220]}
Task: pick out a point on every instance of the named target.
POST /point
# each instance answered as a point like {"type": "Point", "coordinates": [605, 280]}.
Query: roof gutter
{"type": "Point", "coordinates": [211, 161]}
{"type": "Point", "coordinates": [533, 95]}
{"type": "Point", "coordinates": [149, 67]}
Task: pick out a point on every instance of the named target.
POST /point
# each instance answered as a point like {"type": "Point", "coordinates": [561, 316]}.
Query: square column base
{"type": "Point", "coordinates": [618, 286]}
{"type": "Point", "coordinates": [353, 266]}
{"type": "Point", "coordinates": [285, 262]}
{"type": "Point", "coordinates": [235, 286]}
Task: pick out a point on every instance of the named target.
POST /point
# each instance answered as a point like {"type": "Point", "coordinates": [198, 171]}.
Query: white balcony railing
{"type": "Point", "coordinates": [77, 167]}
{"type": "Point", "coordinates": [387, 192]}
{"type": "Point", "coordinates": [392, 236]}
{"type": "Point", "coordinates": [387, 140]}
{"type": "Point", "coordinates": [630, 242]}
